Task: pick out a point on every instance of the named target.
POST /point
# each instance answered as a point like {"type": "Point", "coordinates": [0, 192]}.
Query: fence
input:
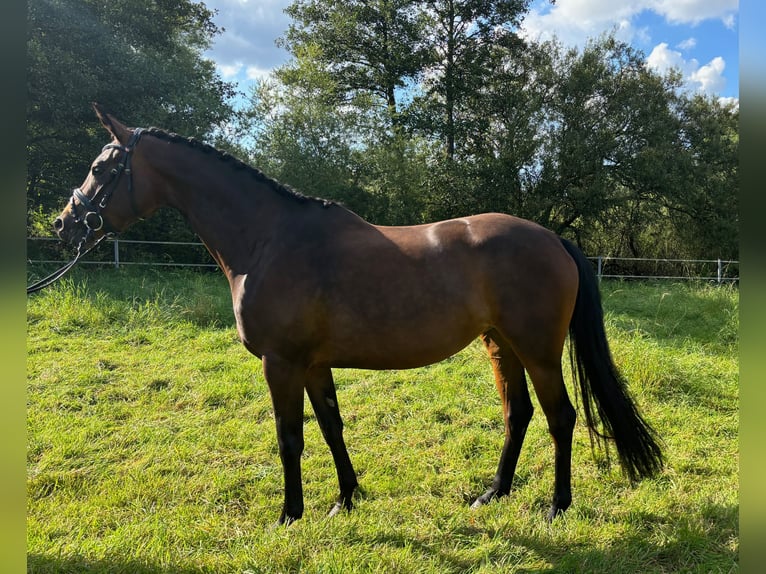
{"type": "Point", "coordinates": [116, 257]}
{"type": "Point", "coordinates": [712, 270]}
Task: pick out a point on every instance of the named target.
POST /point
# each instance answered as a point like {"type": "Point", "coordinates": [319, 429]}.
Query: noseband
{"type": "Point", "coordinates": [92, 218]}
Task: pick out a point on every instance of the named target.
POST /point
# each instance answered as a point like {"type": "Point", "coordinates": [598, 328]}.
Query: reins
{"type": "Point", "coordinates": [92, 218]}
{"type": "Point", "coordinates": [58, 274]}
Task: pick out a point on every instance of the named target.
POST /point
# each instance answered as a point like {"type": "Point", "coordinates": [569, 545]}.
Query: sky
{"type": "Point", "coordinates": [698, 37]}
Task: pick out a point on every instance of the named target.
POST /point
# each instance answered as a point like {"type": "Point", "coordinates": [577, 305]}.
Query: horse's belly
{"type": "Point", "coordinates": [400, 339]}
{"type": "Point", "coordinates": [391, 357]}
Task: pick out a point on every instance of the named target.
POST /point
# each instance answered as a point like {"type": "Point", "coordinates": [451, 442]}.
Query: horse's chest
{"type": "Point", "coordinates": [268, 322]}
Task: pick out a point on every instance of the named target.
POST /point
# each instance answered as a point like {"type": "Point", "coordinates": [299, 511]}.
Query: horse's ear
{"type": "Point", "coordinates": [113, 125]}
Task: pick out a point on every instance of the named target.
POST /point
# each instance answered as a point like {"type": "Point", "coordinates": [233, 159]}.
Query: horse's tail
{"type": "Point", "coordinates": [604, 394]}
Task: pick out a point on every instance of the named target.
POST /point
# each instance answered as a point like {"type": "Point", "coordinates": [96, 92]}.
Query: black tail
{"type": "Point", "coordinates": [605, 396]}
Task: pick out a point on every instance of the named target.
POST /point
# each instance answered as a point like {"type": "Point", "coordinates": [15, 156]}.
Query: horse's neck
{"type": "Point", "coordinates": [232, 213]}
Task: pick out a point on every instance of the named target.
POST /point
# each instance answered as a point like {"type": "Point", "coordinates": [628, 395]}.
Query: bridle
{"type": "Point", "coordinates": [92, 218]}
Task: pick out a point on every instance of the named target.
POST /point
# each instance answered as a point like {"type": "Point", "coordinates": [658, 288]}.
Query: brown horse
{"type": "Point", "coordinates": [314, 287]}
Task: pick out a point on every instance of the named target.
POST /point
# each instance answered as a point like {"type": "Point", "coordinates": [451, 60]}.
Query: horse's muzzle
{"type": "Point", "coordinates": [65, 232]}
{"type": "Point", "coordinates": [69, 231]}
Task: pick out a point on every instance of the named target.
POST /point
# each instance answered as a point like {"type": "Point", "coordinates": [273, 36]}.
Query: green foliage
{"type": "Point", "coordinates": [704, 208]}
{"type": "Point", "coordinates": [608, 117]}
{"type": "Point", "coordinates": [142, 58]}
{"type": "Point", "coordinates": [303, 136]}
{"type": "Point", "coordinates": [151, 446]}
{"type": "Point", "coordinates": [302, 141]}
{"type": "Point", "coordinates": [371, 47]}
{"type": "Point", "coordinates": [465, 38]}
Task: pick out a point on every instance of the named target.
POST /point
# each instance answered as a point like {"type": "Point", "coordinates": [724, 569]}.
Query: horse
{"type": "Point", "coordinates": [316, 287]}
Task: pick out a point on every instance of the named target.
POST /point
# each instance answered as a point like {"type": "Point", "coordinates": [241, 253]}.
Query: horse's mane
{"type": "Point", "coordinates": [239, 165]}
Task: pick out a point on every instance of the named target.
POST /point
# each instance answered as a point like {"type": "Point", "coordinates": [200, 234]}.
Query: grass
{"type": "Point", "coordinates": [151, 446]}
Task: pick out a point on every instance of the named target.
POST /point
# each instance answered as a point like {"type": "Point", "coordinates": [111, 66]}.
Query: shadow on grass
{"type": "Point", "coordinates": [635, 553]}
{"type": "Point", "coordinates": [681, 544]}
{"type": "Point", "coordinates": [43, 564]}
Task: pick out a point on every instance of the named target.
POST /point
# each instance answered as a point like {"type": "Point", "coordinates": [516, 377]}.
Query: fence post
{"type": "Point", "coordinates": [720, 271]}
{"type": "Point", "coordinates": [599, 269]}
{"type": "Point", "coordinates": [116, 254]}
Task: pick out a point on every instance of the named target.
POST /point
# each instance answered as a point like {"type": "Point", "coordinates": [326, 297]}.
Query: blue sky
{"type": "Point", "coordinates": [699, 37]}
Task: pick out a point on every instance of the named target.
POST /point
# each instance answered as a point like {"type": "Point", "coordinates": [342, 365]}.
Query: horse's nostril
{"type": "Point", "coordinates": [58, 224]}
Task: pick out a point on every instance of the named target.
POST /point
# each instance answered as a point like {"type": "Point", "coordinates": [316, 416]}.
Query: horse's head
{"type": "Point", "coordinates": [109, 200]}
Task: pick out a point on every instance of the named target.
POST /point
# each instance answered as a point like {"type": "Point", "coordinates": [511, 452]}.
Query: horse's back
{"type": "Point", "coordinates": [421, 293]}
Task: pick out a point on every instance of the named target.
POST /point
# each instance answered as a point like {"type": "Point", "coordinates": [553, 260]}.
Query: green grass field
{"type": "Point", "coordinates": [151, 446]}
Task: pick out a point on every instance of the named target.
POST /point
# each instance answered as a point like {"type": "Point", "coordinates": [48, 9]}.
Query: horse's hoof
{"type": "Point", "coordinates": [554, 512]}
{"type": "Point", "coordinates": [286, 520]}
{"type": "Point", "coordinates": [342, 503]}
{"type": "Point", "coordinates": [486, 498]}
{"type": "Point", "coordinates": [336, 508]}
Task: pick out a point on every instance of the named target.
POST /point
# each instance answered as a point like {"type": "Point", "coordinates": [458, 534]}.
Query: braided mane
{"type": "Point", "coordinates": [237, 164]}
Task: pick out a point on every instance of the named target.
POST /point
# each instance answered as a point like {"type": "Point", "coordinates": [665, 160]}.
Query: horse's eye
{"type": "Point", "coordinates": [97, 169]}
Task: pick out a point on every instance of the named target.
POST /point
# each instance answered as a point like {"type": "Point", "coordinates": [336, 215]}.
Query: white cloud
{"type": "Point", "coordinates": [707, 79]}
{"type": "Point", "coordinates": [574, 21]}
{"type": "Point", "coordinates": [687, 44]}
{"type": "Point", "coordinates": [692, 11]}
{"type": "Point", "coordinates": [256, 73]}
{"type": "Point", "coordinates": [250, 31]}
{"type": "Point", "coordinates": [229, 71]}
{"type": "Point", "coordinates": [663, 59]}
{"type": "Point", "coordinates": [710, 76]}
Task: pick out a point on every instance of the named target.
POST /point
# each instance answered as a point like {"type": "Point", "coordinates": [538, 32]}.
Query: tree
{"type": "Point", "coordinates": [422, 61]}
{"type": "Point", "coordinates": [466, 34]}
{"type": "Point", "coordinates": [302, 137]}
{"type": "Point", "coordinates": [142, 58]}
{"type": "Point", "coordinates": [503, 134]}
{"type": "Point", "coordinates": [302, 140]}
{"type": "Point", "coordinates": [369, 46]}
{"type": "Point", "coordinates": [704, 208]}
{"type": "Point", "coordinates": [632, 165]}
{"type": "Point", "coordinates": [355, 61]}
{"type": "Point", "coordinates": [611, 141]}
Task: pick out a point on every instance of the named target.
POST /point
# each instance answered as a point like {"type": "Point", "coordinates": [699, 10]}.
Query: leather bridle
{"type": "Point", "coordinates": [92, 218]}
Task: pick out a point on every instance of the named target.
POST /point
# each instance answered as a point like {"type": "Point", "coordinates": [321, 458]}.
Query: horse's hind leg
{"type": "Point", "coordinates": [321, 392]}
{"type": "Point", "coordinates": [548, 382]}
{"type": "Point", "coordinates": [517, 410]}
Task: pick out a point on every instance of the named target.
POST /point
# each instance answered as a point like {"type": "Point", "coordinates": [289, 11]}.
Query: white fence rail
{"type": "Point", "coordinates": [718, 270]}
{"type": "Point", "coordinates": [712, 270]}
{"type": "Point", "coordinates": [117, 260]}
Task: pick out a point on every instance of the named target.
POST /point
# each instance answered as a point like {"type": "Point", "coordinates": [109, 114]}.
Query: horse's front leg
{"type": "Point", "coordinates": [286, 383]}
